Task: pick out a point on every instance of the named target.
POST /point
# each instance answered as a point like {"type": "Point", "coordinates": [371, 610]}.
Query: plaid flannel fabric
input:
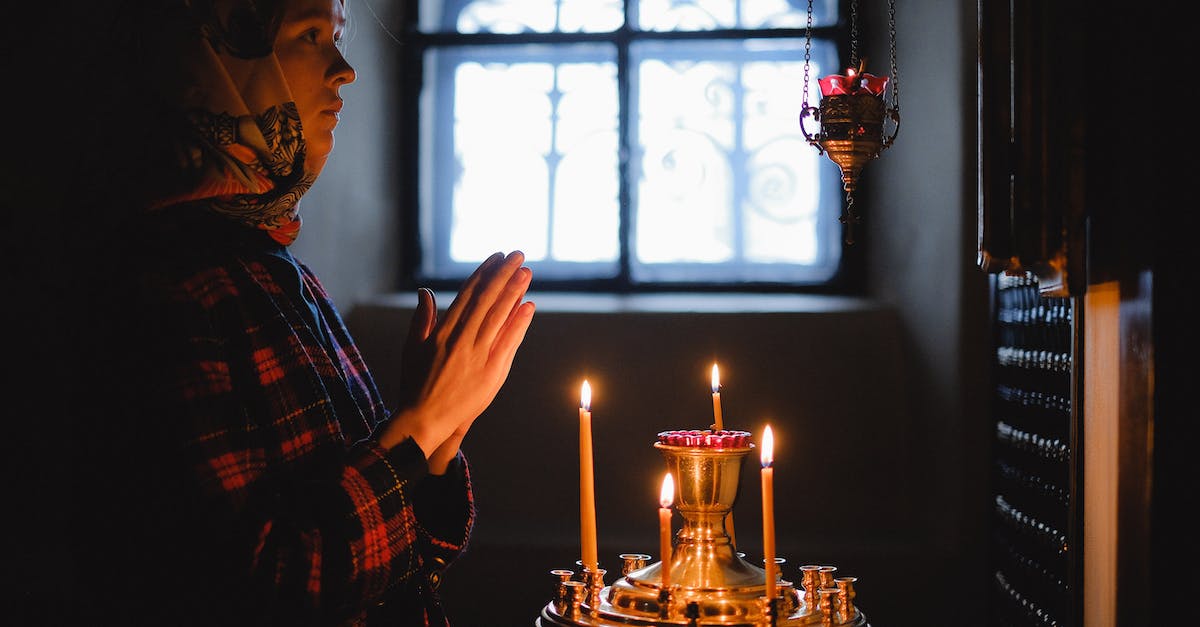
{"type": "Point", "coordinates": [272, 502]}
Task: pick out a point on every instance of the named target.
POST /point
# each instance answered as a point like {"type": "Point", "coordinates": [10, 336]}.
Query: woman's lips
{"type": "Point", "coordinates": [334, 110]}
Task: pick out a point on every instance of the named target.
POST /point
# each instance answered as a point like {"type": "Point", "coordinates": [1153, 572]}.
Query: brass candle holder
{"type": "Point", "coordinates": [710, 583]}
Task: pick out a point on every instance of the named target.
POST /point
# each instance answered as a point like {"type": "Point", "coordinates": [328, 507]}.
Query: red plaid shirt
{"type": "Point", "coordinates": [251, 490]}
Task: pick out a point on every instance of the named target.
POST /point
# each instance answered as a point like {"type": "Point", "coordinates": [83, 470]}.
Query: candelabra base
{"type": "Point", "coordinates": [685, 614]}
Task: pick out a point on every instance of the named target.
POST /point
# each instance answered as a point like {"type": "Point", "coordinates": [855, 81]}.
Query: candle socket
{"type": "Point", "coordinates": [569, 602]}
{"type": "Point", "coordinates": [664, 603]}
{"type": "Point", "coordinates": [789, 599]}
{"type": "Point", "coordinates": [770, 610]}
{"type": "Point", "coordinates": [594, 581]}
{"type": "Point", "coordinates": [825, 577]}
{"type": "Point", "coordinates": [845, 598]}
{"type": "Point", "coordinates": [692, 614]}
{"type": "Point", "coordinates": [563, 595]}
{"type": "Point", "coordinates": [827, 603]}
{"type": "Point", "coordinates": [633, 561]}
{"type": "Point", "coordinates": [809, 580]}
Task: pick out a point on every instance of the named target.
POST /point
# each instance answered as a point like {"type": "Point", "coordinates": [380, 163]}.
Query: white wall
{"type": "Point", "coordinates": [351, 233]}
{"type": "Point", "coordinates": [921, 218]}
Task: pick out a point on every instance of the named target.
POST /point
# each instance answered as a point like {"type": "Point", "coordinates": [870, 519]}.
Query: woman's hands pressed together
{"type": "Point", "coordinates": [453, 367]}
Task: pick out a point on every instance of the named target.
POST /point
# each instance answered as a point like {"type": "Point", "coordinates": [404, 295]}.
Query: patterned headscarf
{"type": "Point", "coordinates": [239, 144]}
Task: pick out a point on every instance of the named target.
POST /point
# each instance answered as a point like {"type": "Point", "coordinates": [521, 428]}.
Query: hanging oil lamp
{"type": "Point", "coordinates": [852, 112]}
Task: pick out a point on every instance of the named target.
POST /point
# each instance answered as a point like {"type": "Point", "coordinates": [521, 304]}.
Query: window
{"type": "Point", "coordinates": [636, 143]}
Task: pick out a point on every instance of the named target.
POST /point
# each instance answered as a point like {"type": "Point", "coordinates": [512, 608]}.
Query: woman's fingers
{"type": "Point", "coordinates": [469, 352]}
{"type": "Point", "coordinates": [455, 311]}
{"type": "Point", "coordinates": [510, 337]}
{"type": "Point", "coordinates": [480, 294]}
{"type": "Point", "coordinates": [499, 358]}
{"type": "Point", "coordinates": [504, 306]}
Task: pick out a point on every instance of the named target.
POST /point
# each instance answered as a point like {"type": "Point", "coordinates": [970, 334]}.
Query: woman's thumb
{"type": "Point", "coordinates": [424, 316]}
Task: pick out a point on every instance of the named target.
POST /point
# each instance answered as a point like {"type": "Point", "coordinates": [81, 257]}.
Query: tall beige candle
{"type": "Point", "coordinates": [587, 484]}
{"type": "Point", "coordinates": [768, 509]}
{"type": "Point", "coordinates": [716, 393]}
{"type": "Point", "coordinates": [665, 498]}
{"type": "Point", "coordinates": [718, 425]}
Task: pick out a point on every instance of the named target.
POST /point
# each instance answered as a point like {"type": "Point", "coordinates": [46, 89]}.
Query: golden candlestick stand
{"type": "Point", "coordinates": [710, 584]}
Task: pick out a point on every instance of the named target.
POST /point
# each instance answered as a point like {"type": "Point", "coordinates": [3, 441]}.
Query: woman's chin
{"type": "Point", "coordinates": [317, 152]}
{"type": "Point", "coordinates": [314, 163]}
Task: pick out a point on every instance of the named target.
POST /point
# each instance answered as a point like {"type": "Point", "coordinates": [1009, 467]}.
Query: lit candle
{"type": "Point", "coordinates": [665, 498]}
{"type": "Point", "coordinates": [587, 488]}
{"type": "Point", "coordinates": [853, 82]}
{"type": "Point", "coordinates": [718, 426]}
{"type": "Point", "coordinates": [768, 508]}
{"type": "Point", "coordinates": [716, 392]}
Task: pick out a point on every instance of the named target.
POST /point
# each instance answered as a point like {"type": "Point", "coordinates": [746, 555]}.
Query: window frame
{"type": "Point", "coordinates": [847, 279]}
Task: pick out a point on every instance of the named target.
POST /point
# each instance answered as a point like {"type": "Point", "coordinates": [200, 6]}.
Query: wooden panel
{"type": "Point", "coordinates": [1101, 400]}
{"type": "Point", "coordinates": [995, 137]}
{"type": "Point", "coordinates": [1031, 114]}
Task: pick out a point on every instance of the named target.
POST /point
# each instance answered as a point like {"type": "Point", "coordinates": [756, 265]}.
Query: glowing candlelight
{"type": "Point", "coordinates": [853, 82]}
{"type": "Point", "coordinates": [718, 426]}
{"type": "Point", "coordinates": [587, 488]}
{"type": "Point", "coordinates": [716, 392]}
{"type": "Point", "coordinates": [665, 498]}
{"type": "Point", "coordinates": [768, 509]}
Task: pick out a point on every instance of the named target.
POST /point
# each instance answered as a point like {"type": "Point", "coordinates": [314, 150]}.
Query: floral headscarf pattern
{"type": "Point", "coordinates": [240, 148]}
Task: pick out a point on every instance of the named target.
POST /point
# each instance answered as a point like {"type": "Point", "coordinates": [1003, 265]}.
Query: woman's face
{"type": "Point", "coordinates": [312, 63]}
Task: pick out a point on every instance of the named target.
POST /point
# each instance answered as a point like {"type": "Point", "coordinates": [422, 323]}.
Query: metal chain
{"type": "Point", "coordinates": [807, 53]}
{"type": "Point", "coordinates": [850, 219]}
{"type": "Point", "coordinates": [895, 70]}
{"type": "Point", "coordinates": [854, 34]}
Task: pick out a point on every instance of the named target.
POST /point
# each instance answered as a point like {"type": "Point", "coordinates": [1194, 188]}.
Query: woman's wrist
{"type": "Point", "coordinates": [439, 460]}
{"type": "Point", "coordinates": [407, 424]}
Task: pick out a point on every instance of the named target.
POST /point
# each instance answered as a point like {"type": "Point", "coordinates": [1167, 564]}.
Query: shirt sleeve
{"type": "Point", "coordinates": [278, 515]}
{"type": "Point", "coordinates": [445, 510]}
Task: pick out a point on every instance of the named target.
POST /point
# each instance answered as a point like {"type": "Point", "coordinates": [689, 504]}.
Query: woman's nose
{"type": "Point", "coordinates": [342, 73]}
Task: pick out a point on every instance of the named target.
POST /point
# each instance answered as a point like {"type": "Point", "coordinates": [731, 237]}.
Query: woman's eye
{"type": "Point", "coordinates": [310, 36]}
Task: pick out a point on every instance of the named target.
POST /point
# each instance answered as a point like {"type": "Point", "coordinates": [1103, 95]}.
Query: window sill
{"type": "Point", "coordinates": [670, 303]}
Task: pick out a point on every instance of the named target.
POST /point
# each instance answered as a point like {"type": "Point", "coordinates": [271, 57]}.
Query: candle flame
{"type": "Point", "coordinates": [850, 72]}
{"type": "Point", "coordinates": [716, 379]}
{"type": "Point", "coordinates": [768, 447]}
{"type": "Point", "coordinates": [585, 396]}
{"type": "Point", "coordinates": [667, 496]}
